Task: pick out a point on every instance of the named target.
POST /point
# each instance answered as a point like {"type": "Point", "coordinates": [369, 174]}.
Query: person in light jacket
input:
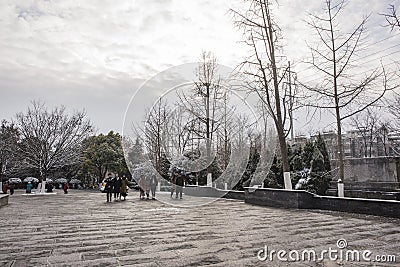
{"type": "Point", "coordinates": [142, 187]}
{"type": "Point", "coordinates": [153, 186]}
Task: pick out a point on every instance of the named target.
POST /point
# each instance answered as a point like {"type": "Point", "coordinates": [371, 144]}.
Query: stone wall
{"type": "Point", "coordinates": [300, 199]}
{"type": "Point", "coordinates": [370, 173]}
{"type": "Point", "coordinates": [204, 191]}
{"type": "Point", "coordinates": [280, 198]}
{"type": "Point", "coordinates": [304, 200]}
{"type": "Point", "coordinates": [3, 199]}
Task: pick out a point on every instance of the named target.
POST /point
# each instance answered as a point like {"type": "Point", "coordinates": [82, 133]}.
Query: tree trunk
{"type": "Point", "coordinates": [340, 145]}
{"type": "Point", "coordinates": [337, 107]}
{"type": "Point", "coordinates": [208, 143]}
{"type": "Point", "coordinates": [279, 122]}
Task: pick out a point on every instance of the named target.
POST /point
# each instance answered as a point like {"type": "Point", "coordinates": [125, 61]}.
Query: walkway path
{"type": "Point", "coordinates": [81, 229]}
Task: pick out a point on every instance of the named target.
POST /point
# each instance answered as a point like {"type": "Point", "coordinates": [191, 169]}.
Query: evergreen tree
{"type": "Point", "coordinates": [103, 153]}
{"type": "Point", "coordinates": [136, 155]}
{"type": "Point", "coordinates": [254, 158]}
{"type": "Point", "coordinates": [315, 176]}
{"type": "Point", "coordinates": [274, 178]}
{"type": "Point", "coordinates": [320, 144]}
{"type": "Point", "coordinates": [319, 177]}
{"type": "Point", "coordinates": [307, 154]}
{"type": "Point", "coordinates": [317, 162]}
{"type": "Point", "coordinates": [295, 159]}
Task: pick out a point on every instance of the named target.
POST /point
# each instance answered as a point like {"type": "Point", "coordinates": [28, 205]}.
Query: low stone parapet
{"type": "Point", "coordinates": [305, 200]}
{"type": "Point", "coordinates": [280, 198]}
{"type": "Point", "coordinates": [4, 199]}
{"type": "Point", "coordinates": [206, 191]}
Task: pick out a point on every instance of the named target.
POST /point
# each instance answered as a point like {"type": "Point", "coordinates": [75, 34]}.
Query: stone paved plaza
{"type": "Point", "coordinates": [81, 229]}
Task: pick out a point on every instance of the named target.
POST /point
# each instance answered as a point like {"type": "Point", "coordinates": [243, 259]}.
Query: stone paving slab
{"type": "Point", "coordinates": [81, 229]}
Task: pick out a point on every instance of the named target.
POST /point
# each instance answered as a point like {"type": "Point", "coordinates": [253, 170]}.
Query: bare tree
{"type": "Point", "coordinates": [51, 139]}
{"type": "Point", "coordinates": [392, 19]}
{"type": "Point", "coordinates": [209, 89]}
{"type": "Point", "coordinates": [394, 109]}
{"type": "Point", "coordinates": [267, 70]}
{"type": "Point", "coordinates": [154, 129]}
{"type": "Point", "coordinates": [366, 125]}
{"type": "Point", "coordinates": [203, 104]}
{"type": "Point", "coordinates": [339, 89]}
{"type": "Point", "coordinates": [382, 135]}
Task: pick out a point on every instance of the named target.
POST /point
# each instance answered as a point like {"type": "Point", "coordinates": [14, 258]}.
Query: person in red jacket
{"type": "Point", "coordinates": [66, 188]}
{"type": "Point", "coordinates": [5, 187]}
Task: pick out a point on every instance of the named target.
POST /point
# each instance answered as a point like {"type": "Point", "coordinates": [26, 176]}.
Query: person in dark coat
{"type": "Point", "coordinates": [117, 187]}
{"type": "Point", "coordinates": [49, 187]}
{"type": "Point", "coordinates": [109, 188]}
{"type": "Point", "coordinates": [12, 187]}
{"type": "Point", "coordinates": [180, 181]}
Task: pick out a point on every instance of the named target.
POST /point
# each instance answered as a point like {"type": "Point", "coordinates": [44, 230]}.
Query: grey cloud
{"type": "Point", "coordinates": [92, 55]}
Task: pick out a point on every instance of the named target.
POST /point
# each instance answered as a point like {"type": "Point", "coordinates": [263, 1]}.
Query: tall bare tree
{"type": "Point", "coordinates": [203, 104]}
{"type": "Point", "coordinates": [209, 89]}
{"type": "Point", "coordinates": [51, 139]}
{"type": "Point", "coordinates": [339, 88]}
{"type": "Point", "coordinates": [266, 68]}
{"type": "Point", "coordinates": [154, 129]}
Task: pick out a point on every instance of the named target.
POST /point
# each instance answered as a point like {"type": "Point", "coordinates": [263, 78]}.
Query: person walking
{"type": "Point", "coordinates": [142, 187]}
{"type": "Point", "coordinates": [124, 187]}
{"type": "Point", "coordinates": [49, 187]}
{"type": "Point", "coordinates": [153, 186]}
{"type": "Point", "coordinates": [5, 187]}
{"type": "Point", "coordinates": [12, 187]}
{"type": "Point", "coordinates": [117, 188]}
{"type": "Point", "coordinates": [147, 186]}
{"type": "Point", "coordinates": [66, 188]}
{"type": "Point", "coordinates": [180, 181]}
{"type": "Point", "coordinates": [28, 188]}
{"type": "Point", "coordinates": [173, 181]}
{"type": "Point", "coordinates": [109, 188]}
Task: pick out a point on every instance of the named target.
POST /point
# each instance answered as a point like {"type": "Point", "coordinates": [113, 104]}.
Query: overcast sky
{"type": "Point", "coordinates": [93, 55]}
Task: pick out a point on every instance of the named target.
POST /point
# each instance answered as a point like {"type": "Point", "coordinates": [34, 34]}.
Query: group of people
{"type": "Point", "coordinates": [117, 186]}
{"type": "Point", "coordinates": [148, 184]}
{"type": "Point", "coordinates": [177, 183]}
{"type": "Point", "coordinates": [29, 186]}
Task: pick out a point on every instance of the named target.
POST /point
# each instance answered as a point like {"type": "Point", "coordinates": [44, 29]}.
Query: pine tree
{"type": "Point", "coordinates": [317, 162]}
{"type": "Point", "coordinates": [319, 176]}
{"type": "Point", "coordinates": [307, 154]}
{"type": "Point", "coordinates": [320, 143]}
